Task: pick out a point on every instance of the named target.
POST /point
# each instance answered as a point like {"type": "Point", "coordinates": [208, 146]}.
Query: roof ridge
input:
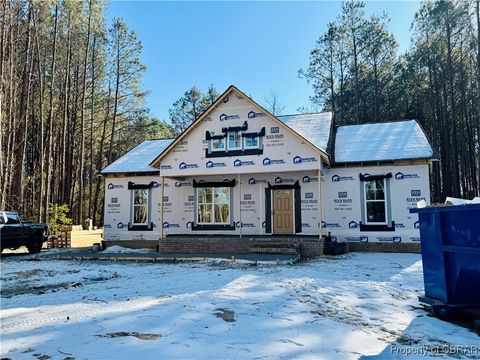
{"type": "Point", "coordinates": [379, 122]}
{"type": "Point", "coordinates": [310, 113]}
{"type": "Point", "coordinates": [171, 138]}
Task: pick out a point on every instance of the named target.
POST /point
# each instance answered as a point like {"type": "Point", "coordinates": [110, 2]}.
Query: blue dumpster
{"type": "Point", "coordinates": [450, 242]}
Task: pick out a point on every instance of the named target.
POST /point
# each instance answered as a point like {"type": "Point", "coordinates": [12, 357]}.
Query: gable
{"type": "Point", "coordinates": [281, 148]}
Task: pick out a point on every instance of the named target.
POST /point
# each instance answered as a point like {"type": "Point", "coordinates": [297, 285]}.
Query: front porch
{"type": "Point", "coordinates": [306, 246]}
{"type": "Point", "coordinates": [246, 205]}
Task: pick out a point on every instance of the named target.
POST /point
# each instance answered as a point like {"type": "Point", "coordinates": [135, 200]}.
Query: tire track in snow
{"type": "Point", "coordinates": [48, 315]}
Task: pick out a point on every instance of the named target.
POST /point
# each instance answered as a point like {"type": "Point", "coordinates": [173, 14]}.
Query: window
{"type": "Point", "coordinates": [140, 207]}
{"type": "Point", "coordinates": [376, 206]}
{"type": "Point", "coordinates": [251, 142]}
{"type": "Point", "coordinates": [12, 218]}
{"type": "Point", "coordinates": [205, 205]}
{"type": "Point", "coordinates": [375, 202]}
{"type": "Point", "coordinates": [213, 205]}
{"type": "Point", "coordinates": [234, 140]}
{"type": "Point", "coordinates": [218, 144]}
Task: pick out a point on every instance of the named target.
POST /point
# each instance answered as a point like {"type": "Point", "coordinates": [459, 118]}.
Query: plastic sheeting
{"type": "Point", "coordinates": [139, 158]}
{"type": "Point", "coordinates": [381, 141]}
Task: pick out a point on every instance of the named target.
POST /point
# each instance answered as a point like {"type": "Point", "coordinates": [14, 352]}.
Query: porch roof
{"type": "Point", "coordinates": [138, 159]}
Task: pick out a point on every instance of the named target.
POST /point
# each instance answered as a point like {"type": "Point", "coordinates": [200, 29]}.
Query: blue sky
{"type": "Point", "coordinates": [257, 46]}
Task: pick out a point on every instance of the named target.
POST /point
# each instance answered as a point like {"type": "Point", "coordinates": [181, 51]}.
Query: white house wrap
{"type": "Point", "coordinates": [239, 171]}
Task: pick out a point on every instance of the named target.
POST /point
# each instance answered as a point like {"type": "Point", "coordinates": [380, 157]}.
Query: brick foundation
{"type": "Point", "coordinates": [385, 247]}
{"type": "Point", "coordinates": [132, 244]}
{"type": "Point", "coordinates": [212, 245]}
{"type": "Point", "coordinates": [308, 246]}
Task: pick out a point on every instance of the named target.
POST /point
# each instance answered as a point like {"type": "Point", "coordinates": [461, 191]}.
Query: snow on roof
{"type": "Point", "coordinates": [381, 141]}
{"type": "Point", "coordinates": [313, 127]}
{"type": "Point", "coordinates": [139, 158]}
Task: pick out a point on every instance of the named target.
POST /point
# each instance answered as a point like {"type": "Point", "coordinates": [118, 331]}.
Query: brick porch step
{"type": "Point", "coordinates": [275, 248]}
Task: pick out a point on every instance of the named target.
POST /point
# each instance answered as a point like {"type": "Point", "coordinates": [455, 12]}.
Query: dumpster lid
{"type": "Point", "coordinates": [430, 209]}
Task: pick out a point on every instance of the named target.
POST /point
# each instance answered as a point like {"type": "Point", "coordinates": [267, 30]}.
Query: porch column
{"type": "Point", "coordinates": [161, 208]}
{"type": "Point", "coordinates": [320, 207]}
{"type": "Point", "coordinates": [240, 203]}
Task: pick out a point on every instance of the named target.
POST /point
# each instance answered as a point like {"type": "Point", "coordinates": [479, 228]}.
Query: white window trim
{"type": "Point", "coordinates": [147, 205]}
{"type": "Point", "coordinates": [251, 147]}
{"type": "Point", "coordinates": [213, 207]}
{"type": "Point", "coordinates": [228, 141]}
{"type": "Point", "coordinates": [218, 149]}
{"type": "Point", "coordinates": [365, 201]}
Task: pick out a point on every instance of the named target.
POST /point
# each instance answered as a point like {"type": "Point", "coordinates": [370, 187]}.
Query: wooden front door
{"type": "Point", "coordinates": [283, 211]}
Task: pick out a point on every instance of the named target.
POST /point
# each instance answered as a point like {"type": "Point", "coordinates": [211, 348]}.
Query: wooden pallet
{"type": "Point", "coordinates": [58, 242]}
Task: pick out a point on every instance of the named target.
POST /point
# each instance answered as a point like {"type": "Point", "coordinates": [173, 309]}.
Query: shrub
{"type": "Point", "coordinates": [58, 217]}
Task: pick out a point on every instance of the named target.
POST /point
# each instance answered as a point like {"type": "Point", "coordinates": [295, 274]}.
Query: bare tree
{"type": "Point", "coordinates": [272, 103]}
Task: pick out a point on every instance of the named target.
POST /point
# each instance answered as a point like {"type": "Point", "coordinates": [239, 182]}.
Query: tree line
{"type": "Point", "coordinates": [356, 72]}
{"type": "Point", "coordinates": [71, 102]}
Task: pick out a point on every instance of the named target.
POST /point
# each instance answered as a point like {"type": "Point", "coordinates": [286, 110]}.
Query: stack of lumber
{"type": "Point", "coordinates": [68, 228]}
{"type": "Point", "coordinates": [84, 238]}
{"type": "Point", "coordinates": [73, 236]}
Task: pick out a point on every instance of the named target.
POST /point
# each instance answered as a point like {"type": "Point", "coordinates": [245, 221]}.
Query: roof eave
{"type": "Point", "coordinates": [373, 162]}
{"type": "Point", "coordinates": [130, 173]}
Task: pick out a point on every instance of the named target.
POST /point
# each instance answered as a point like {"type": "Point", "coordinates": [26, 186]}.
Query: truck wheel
{"type": "Point", "coordinates": [35, 247]}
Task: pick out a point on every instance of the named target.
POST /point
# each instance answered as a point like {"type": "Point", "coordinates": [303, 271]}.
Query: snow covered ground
{"type": "Point", "coordinates": [357, 306]}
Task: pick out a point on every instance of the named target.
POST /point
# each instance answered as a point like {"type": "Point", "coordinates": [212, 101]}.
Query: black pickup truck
{"type": "Point", "coordinates": [15, 233]}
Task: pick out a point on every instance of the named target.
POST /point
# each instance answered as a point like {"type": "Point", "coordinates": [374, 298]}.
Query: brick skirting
{"type": "Point", "coordinates": [203, 244]}
{"type": "Point", "coordinates": [132, 244]}
{"type": "Point", "coordinates": [385, 247]}
{"type": "Point", "coordinates": [309, 246]}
